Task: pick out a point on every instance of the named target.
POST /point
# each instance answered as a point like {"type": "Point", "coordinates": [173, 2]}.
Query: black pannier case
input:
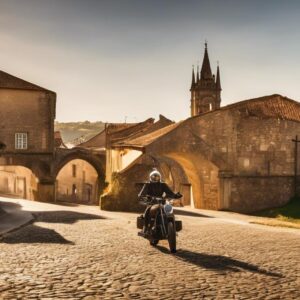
{"type": "Point", "coordinates": [140, 221]}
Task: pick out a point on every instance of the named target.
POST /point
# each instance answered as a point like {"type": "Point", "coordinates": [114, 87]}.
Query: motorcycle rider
{"type": "Point", "coordinates": [155, 188]}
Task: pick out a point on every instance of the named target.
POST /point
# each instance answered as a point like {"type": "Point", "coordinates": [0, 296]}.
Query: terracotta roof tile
{"type": "Point", "coordinates": [145, 140]}
{"type": "Point", "coordinates": [272, 106]}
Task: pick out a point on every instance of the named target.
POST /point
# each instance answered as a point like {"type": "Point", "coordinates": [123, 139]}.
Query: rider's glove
{"type": "Point", "coordinates": [178, 195]}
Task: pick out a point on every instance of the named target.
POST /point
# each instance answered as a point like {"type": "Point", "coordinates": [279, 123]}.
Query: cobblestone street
{"type": "Point", "coordinates": [80, 252]}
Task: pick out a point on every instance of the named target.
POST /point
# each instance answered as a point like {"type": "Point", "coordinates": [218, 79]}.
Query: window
{"type": "Point", "coordinates": [74, 170]}
{"type": "Point", "coordinates": [21, 141]}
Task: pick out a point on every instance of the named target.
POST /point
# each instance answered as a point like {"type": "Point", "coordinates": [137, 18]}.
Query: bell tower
{"type": "Point", "coordinates": [205, 89]}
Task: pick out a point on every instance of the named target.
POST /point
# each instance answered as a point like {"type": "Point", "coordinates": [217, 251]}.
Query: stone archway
{"type": "Point", "coordinates": [77, 182]}
{"type": "Point", "coordinates": [66, 156]}
{"type": "Point", "coordinates": [18, 181]}
{"type": "Point", "coordinates": [202, 175]}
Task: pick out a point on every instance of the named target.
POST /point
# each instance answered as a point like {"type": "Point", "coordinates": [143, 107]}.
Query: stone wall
{"type": "Point", "coordinates": [125, 188]}
{"type": "Point", "coordinates": [32, 112]}
{"type": "Point", "coordinates": [249, 194]}
{"type": "Point", "coordinates": [126, 185]}
{"type": "Point", "coordinates": [265, 147]}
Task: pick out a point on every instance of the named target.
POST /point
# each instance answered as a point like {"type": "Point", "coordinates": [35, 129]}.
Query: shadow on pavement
{"type": "Point", "coordinates": [35, 234]}
{"type": "Point", "coordinates": [217, 262]}
{"type": "Point", "coordinates": [38, 234]}
{"type": "Point", "coordinates": [189, 213]}
{"type": "Point", "coordinates": [64, 217]}
{"type": "Point", "coordinates": [9, 205]}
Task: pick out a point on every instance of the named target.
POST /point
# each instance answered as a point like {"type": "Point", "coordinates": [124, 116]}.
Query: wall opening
{"type": "Point", "coordinates": [202, 175]}
{"type": "Point", "coordinates": [77, 182]}
{"type": "Point", "coordinates": [18, 181]}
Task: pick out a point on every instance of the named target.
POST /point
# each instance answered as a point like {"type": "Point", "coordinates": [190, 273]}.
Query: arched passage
{"type": "Point", "coordinates": [79, 175]}
{"type": "Point", "coordinates": [78, 182]}
{"type": "Point", "coordinates": [18, 181]}
{"type": "Point", "coordinates": [203, 179]}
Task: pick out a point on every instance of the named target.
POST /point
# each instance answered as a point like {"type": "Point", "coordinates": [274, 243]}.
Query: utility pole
{"type": "Point", "coordinates": [296, 141]}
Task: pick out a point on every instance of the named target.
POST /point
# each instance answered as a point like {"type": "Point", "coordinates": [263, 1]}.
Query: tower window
{"type": "Point", "coordinates": [21, 141]}
{"type": "Point", "coordinates": [210, 106]}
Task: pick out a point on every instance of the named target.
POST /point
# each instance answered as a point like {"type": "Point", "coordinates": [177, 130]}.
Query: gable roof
{"type": "Point", "coordinates": [162, 122]}
{"type": "Point", "coordinates": [98, 141]}
{"type": "Point", "coordinates": [271, 106]}
{"type": "Point", "coordinates": [142, 141]}
{"type": "Point", "coordinates": [130, 131]}
{"type": "Point", "coordinates": [8, 81]}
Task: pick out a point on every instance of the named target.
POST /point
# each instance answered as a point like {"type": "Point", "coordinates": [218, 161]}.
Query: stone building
{"type": "Point", "coordinates": [30, 128]}
{"type": "Point", "coordinates": [239, 157]}
{"type": "Point", "coordinates": [119, 158]}
{"type": "Point", "coordinates": [27, 128]}
{"type": "Point", "coordinates": [32, 155]}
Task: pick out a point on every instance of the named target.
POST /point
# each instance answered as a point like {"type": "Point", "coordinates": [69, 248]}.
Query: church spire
{"type": "Point", "coordinates": [193, 78]}
{"type": "Point", "coordinates": [206, 88]}
{"type": "Point", "coordinates": [218, 80]}
{"type": "Point", "coordinates": [206, 70]}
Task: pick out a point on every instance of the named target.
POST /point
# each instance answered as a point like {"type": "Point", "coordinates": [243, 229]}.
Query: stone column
{"type": "Point", "coordinates": [46, 191]}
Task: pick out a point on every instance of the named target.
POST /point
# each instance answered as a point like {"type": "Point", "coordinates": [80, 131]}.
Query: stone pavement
{"type": "Point", "coordinates": [79, 252]}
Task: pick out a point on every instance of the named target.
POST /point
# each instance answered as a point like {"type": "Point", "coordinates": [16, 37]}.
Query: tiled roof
{"type": "Point", "coordinates": [147, 139]}
{"type": "Point", "coordinates": [115, 127]}
{"type": "Point", "coordinates": [98, 140]}
{"type": "Point", "coordinates": [162, 122]}
{"type": "Point", "coordinates": [272, 106]}
{"type": "Point", "coordinates": [11, 82]}
{"type": "Point", "coordinates": [131, 131]}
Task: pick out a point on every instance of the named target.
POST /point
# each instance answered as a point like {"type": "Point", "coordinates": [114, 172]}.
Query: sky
{"type": "Point", "coordinates": [120, 60]}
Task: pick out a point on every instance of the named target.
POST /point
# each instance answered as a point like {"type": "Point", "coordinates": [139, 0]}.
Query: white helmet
{"type": "Point", "coordinates": [155, 176]}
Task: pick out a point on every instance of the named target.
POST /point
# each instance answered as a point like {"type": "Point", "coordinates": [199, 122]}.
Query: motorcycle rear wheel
{"type": "Point", "coordinates": [172, 237]}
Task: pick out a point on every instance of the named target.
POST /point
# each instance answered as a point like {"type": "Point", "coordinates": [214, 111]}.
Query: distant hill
{"type": "Point", "coordinates": [77, 132]}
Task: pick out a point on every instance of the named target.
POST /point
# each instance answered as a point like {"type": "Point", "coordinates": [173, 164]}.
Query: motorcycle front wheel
{"type": "Point", "coordinates": [154, 242]}
{"type": "Point", "coordinates": [172, 237]}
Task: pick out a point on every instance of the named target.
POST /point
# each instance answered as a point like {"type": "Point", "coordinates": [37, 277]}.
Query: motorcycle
{"type": "Point", "coordinates": [162, 224]}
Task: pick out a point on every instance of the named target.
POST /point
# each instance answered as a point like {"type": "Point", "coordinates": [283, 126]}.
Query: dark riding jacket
{"type": "Point", "coordinates": [156, 189]}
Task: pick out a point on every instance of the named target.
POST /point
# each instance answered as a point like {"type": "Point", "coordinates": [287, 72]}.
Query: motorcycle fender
{"type": "Point", "coordinates": [178, 225]}
{"type": "Point", "coordinates": [170, 218]}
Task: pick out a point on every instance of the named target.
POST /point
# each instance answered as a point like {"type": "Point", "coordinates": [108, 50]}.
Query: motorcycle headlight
{"type": "Point", "coordinates": [168, 208]}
